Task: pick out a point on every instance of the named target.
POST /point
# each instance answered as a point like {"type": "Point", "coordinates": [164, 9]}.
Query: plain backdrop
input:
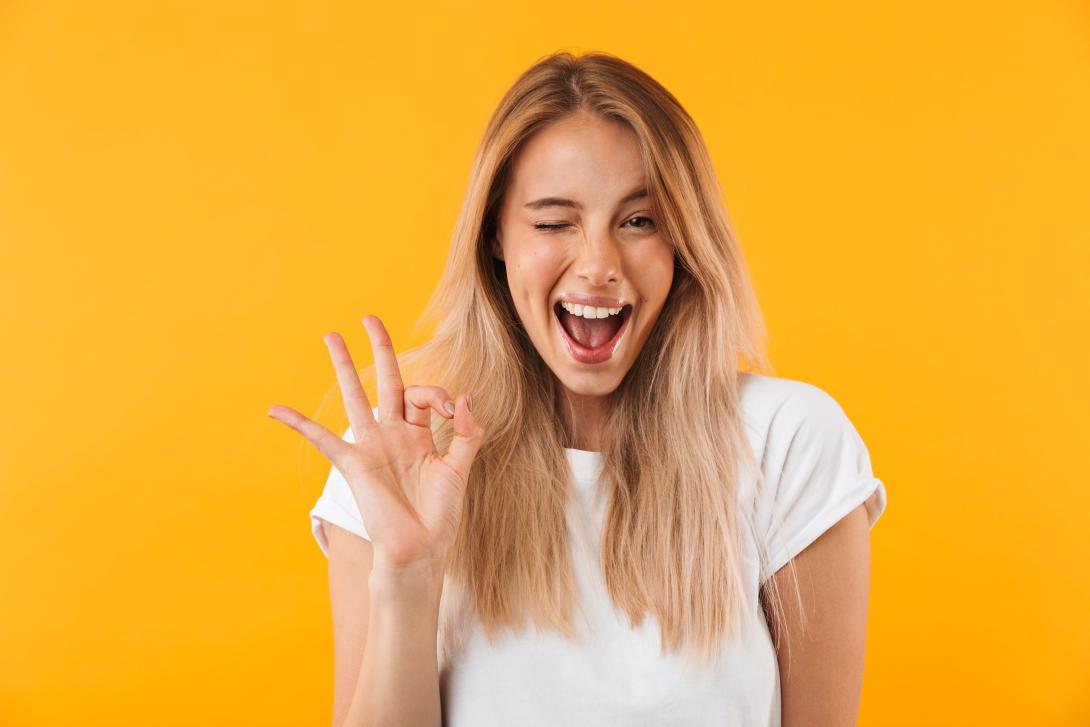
{"type": "Point", "coordinates": [192, 194]}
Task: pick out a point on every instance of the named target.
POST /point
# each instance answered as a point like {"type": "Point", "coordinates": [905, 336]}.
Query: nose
{"type": "Point", "coordinates": [599, 261]}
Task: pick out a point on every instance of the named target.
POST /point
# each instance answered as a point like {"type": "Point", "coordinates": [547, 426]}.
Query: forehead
{"type": "Point", "coordinates": [584, 157]}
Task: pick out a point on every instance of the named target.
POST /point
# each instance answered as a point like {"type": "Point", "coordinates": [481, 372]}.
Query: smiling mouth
{"type": "Point", "coordinates": [592, 340]}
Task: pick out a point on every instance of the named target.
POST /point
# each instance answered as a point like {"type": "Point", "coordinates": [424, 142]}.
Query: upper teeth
{"type": "Point", "coordinates": [588, 311]}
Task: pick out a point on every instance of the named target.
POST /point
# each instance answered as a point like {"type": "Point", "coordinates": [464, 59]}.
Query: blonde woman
{"type": "Point", "coordinates": [597, 505]}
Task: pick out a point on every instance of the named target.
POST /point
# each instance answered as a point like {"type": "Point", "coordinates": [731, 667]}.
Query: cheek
{"type": "Point", "coordinates": [535, 268]}
{"type": "Point", "coordinates": [654, 273]}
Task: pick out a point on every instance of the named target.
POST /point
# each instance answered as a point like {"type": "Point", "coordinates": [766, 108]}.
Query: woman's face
{"type": "Point", "coordinates": [576, 231]}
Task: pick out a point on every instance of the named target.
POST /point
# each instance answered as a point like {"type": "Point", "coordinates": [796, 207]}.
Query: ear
{"type": "Point", "coordinates": [497, 247]}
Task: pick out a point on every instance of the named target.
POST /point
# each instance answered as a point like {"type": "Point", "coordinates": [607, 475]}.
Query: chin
{"type": "Point", "coordinates": [591, 384]}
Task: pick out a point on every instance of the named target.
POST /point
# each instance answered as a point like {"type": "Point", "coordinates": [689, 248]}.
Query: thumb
{"type": "Point", "coordinates": [468, 435]}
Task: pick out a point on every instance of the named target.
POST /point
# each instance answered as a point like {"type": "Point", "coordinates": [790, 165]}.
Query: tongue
{"type": "Point", "coordinates": [590, 332]}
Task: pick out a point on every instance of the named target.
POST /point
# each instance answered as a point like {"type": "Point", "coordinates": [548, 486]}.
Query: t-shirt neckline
{"type": "Point", "coordinates": [586, 465]}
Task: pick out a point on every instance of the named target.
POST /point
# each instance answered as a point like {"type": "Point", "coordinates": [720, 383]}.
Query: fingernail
{"type": "Point", "coordinates": [469, 402]}
{"type": "Point", "coordinates": [448, 408]}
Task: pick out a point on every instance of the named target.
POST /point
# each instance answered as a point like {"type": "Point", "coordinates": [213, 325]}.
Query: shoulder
{"type": "Point", "coordinates": [814, 466]}
{"type": "Point", "coordinates": [776, 406]}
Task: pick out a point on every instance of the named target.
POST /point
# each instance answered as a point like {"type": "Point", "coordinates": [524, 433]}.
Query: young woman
{"type": "Point", "coordinates": [590, 509]}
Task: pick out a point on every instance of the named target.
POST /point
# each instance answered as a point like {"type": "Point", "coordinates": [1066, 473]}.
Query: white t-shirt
{"type": "Point", "coordinates": [817, 470]}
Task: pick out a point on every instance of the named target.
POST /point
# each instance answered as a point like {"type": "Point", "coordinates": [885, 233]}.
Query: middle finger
{"type": "Point", "coordinates": [356, 403]}
{"type": "Point", "coordinates": [391, 389]}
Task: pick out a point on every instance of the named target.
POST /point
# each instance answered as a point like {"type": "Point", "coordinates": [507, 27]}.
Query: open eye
{"type": "Point", "coordinates": [642, 217]}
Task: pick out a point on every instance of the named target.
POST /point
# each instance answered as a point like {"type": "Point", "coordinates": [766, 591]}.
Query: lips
{"type": "Point", "coordinates": [604, 352]}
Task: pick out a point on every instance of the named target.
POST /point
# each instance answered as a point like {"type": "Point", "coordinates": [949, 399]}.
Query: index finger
{"type": "Point", "coordinates": [328, 443]}
{"type": "Point", "coordinates": [391, 389]}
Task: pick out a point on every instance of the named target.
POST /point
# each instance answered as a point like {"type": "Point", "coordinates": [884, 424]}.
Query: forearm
{"type": "Point", "coordinates": [399, 676]}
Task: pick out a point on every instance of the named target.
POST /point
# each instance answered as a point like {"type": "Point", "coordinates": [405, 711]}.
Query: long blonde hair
{"type": "Point", "coordinates": [671, 543]}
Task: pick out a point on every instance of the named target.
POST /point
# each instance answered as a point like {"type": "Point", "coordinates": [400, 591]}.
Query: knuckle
{"type": "Point", "coordinates": [413, 395]}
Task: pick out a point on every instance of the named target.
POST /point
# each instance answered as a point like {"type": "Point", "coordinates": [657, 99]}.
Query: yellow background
{"type": "Point", "coordinates": [192, 194]}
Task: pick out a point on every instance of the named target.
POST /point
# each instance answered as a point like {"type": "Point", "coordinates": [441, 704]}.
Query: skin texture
{"type": "Point", "coordinates": [607, 247]}
{"type": "Point", "coordinates": [822, 684]}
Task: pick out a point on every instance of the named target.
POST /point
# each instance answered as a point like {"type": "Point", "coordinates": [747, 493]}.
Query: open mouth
{"type": "Point", "coordinates": [592, 340]}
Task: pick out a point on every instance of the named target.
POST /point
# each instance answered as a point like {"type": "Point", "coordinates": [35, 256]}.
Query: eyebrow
{"type": "Point", "coordinates": [561, 202]}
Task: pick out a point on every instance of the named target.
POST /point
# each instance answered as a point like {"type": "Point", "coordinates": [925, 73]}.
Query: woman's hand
{"type": "Point", "coordinates": [409, 496]}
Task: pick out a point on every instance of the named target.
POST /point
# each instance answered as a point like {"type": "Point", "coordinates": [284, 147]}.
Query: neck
{"type": "Point", "coordinates": [584, 417]}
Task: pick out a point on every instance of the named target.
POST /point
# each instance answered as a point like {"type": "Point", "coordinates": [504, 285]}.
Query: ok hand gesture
{"type": "Point", "coordinates": [409, 496]}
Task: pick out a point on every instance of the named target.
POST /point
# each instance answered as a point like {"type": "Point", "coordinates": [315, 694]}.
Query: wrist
{"type": "Point", "coordinates": [416, 581]}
